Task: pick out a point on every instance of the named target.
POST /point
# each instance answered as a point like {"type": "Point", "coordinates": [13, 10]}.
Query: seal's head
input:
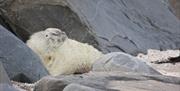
{"type": "Point", "coordinates": [47, 40]}
{"type": "Point", "coordinates": [55, 37]}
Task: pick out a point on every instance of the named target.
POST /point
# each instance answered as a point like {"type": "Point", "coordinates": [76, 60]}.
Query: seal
{"type": "Point", "coordinates": [62, 55]}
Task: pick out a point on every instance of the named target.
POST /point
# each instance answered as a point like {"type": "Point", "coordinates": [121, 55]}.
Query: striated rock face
{"type": "Point", "coordinates": [109, 25]}
{"type": "Point", "coordinates": [109, 81]}
{"type": "Point", "coordinates": [20, 63]}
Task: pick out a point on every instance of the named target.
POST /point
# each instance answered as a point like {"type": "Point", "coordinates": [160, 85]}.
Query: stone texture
{"type": "Point", "coordinates": [20, 63]}
{"type": "Point", "coordinates": [119, 61]}
{"type": "Point", "coordinates": [110, 81]}
{"type": "Point", "coordinates": [109, 25]}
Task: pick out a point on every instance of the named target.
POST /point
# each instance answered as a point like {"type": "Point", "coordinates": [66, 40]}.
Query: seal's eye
{"type": "Point", "coordinates": [49, 58]}
{"type": "Point", "coordinates": [46, 35]}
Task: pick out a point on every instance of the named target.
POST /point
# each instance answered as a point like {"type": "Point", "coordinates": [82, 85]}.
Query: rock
{"type": "Point", "coordinates": [4, 79]}
{"type": "Point", "coordinates": [78, 87]}
{"type": "Point", "coordinates": [110, 81]}
{"type": "Point", "coordinates": [20, 63]}
{"type": "Point", "coordinates": [50, 84]}
{"type": "Point", "coordinates": [6, 87]}
{"type": "Point", "coordinates": [119, 61]}
{"type": "Point", "coordinates": [110, 25]}
{"type": "Point", "coordinates": [5, 83]}
{"type": "Point", "coordinates": [32, 16]}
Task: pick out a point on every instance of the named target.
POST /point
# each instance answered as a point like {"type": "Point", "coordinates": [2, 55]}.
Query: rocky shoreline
{"type": "Point", "coordinates": [140, 40]}
{"type": "Point", "coordinates": [170, 70]}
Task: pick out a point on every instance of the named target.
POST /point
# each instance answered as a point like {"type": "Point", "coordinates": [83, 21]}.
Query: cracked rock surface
{"type": "Point", "coordinates": [109, 25]}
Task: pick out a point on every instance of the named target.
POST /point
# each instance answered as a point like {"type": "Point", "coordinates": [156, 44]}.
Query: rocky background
{"type": "Point", "coordinates": [118, 28]}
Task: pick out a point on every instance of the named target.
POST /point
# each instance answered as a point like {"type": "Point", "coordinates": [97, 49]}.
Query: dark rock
{"type": "Point", "coordinates": [119, 61]}
{"type": "Point", "coordinates": [111, 81]}
{"type": "Point", "coordinates": [110, 25]}
{"type": "Point", "coordinates": [29, 17]}
{"type": "Point", "coordinates": [50, 84]}
{"type": "Point", "coordinates": [20, 63]}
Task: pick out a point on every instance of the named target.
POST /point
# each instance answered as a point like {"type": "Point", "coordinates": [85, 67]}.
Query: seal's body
{"type": "Point", "coordinates": [62, 55]}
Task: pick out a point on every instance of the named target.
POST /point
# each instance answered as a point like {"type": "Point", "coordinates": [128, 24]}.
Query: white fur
{"type": "Point", "coordinates": [67, 57]}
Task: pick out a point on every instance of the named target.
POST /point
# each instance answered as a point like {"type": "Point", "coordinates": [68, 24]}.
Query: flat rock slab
{"type": "Point", "coordinates": [118, 61]}
{"type": "Point", "coordinates": [19, 61]}
{"type": "Point", "coordinates": [109, 81]}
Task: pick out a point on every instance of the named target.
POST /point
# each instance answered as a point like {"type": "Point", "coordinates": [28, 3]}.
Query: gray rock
{"type": "Point", "coordinates": [7, 87]}
{"type": "Point", "coordinates": [5, 83]}
{"type": "Point", "coordinates": [119, 61]}
{"type": "Point", "coordinates": [78, 87]}
{"type": "Point", "coordinates": [110, 81]}
{"type": "Point", "coordinates": [20, 63]}
{"type": "Point", "coordinates": [4, 79]}
{"type": "Point", "coordinates": [110, 25]}
{"type": "Point", "coordinates": [130, 26]}
{"type": "Point", "coordinates": [50, 84]}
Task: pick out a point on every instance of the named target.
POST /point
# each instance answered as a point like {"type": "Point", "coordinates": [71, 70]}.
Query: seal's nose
{"type": "Point", "coordinates": [57, 33]}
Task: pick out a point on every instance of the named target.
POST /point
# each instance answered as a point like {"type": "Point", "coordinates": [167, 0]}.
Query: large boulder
{"type": "Point", "coordinates": [19, 61]}
{"type": "Point", "coordinates": [119, 61]}
{"type": "Point", "coordinates": [109, 25]}
{"type": "Point", "coordinates": [30, 16]}
{"type": "Point", "coordinates": [109, 81]}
